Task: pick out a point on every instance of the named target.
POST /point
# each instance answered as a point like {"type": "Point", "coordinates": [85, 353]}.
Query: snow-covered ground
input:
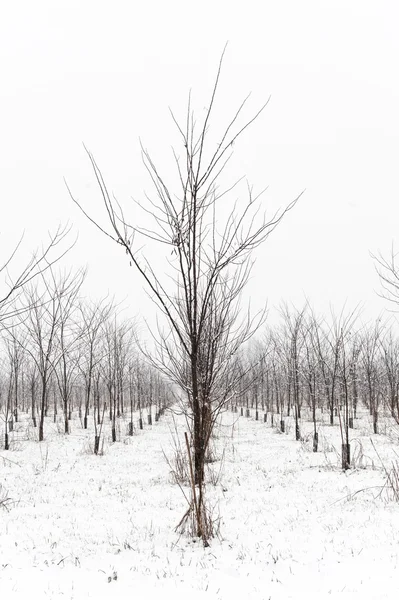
{"type": "Point", "coordinates": [292, 526]}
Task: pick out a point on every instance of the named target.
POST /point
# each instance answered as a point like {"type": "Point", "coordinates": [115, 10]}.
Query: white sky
{"type": "Point", "coordinates": [104, 73]}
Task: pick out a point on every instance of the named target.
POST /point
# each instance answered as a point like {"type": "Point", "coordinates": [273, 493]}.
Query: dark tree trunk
{"type": "Point", "coordinates": [346, 456]}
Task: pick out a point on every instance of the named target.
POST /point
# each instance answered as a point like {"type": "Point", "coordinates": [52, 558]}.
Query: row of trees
{"type": "Point", "coordinates": [330, 365]}
{"type": "Point", "coordinates": [61, 353]}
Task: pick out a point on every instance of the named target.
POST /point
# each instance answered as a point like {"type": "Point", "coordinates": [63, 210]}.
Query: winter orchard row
{"type": "Point", "coordinates": [334, 366]}
{"type": "Point", "coordinates": [60, 354]}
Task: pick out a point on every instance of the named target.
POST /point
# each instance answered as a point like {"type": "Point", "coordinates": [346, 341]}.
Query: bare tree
{"type": "Point", "coordinates": [370, 360]}
{"type": "Point", "coordinates": [42, 322]}
{"type": "Point", "coordinates": [15, 354]}
{"type": "Point", "coordinates": [390, 357]}
{"type": "Point", "coordinates": [117, 339]}
{"type": "Point", "coordinates": [355, 350]}
{"type": "Point", "coordinates": [311, 369]}
{"type": "Point", "coordinates": [293, 321]}
{"type": "Point", "coordinates": [93, 316]}
{"type": "Point", "coordinates": [68, 336]}
{"type": "Point", "coordinates": [210, 261]}
{"type": "Point", "coordinates": [339, 336]}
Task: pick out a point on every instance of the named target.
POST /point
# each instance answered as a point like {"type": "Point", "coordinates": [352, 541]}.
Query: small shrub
{"type": "Point", "coordinates": [359, 459]}
{"type": "Point", "coordinates": [178, 463]}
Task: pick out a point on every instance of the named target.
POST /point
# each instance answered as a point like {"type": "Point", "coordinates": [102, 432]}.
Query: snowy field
{"type": "Point", "coordinates": [292, 524]}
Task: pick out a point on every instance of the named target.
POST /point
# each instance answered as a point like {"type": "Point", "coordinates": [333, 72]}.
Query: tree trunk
{"type": "Point", "coordinates": [375, 421]}
{"type": "Point", "coordinates": [346, 456]}
{"type": "Point", "coordinates": [42, 413]}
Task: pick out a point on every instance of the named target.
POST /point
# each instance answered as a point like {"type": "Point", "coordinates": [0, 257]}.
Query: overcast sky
{"type": "Point", "coordinates": [105, 72]}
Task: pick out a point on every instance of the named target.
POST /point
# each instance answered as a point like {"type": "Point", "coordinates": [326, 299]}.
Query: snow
{"type": "Point", "coordinates": [293, 525]}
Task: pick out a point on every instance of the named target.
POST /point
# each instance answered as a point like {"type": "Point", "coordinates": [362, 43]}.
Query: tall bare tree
{"type": "Point", "coordinates": [210, 257]}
